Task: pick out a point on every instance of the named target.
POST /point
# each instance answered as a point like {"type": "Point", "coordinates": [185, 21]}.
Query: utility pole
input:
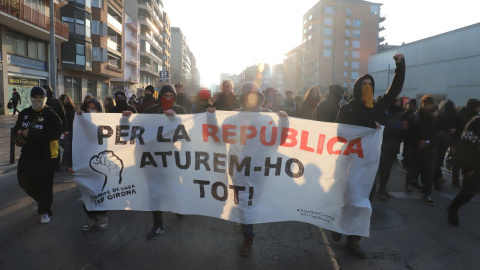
{"type": "Point", "coordinates": [53, 56]}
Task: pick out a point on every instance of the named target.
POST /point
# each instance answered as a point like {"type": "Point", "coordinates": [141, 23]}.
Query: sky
{"type": "Point", "coordinates": [226, 36]}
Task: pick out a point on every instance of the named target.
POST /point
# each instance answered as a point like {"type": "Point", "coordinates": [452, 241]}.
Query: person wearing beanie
{"type": "Point", "coordinates": [327, 110]}
{"type": "Point", "coordinates": [202, 101]}
{"type": "Point", "coordinates": [251, 99]}
{"type": "Point", "coordinates": [165, 105]}
{"type": "Point", "coordinates": [147, 101]}
{"type": "Point", "coordinates": [38, 129]}
{"type": "Point", "coordinates": [363, 111]}
{"type": "Point", "coordinates": [121, 104]}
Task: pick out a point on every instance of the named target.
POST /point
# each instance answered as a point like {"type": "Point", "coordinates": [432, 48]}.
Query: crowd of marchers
{"type": "Point", "coordinates": [426, 134]}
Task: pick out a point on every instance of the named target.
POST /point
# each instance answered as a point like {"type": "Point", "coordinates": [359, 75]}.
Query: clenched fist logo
{"type": "Point", "coordinates": [108, 164]}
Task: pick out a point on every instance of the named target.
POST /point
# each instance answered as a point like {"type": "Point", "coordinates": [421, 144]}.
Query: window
{"type": "Point", "coordinates": [345, 74]}
{"type": "Point", "coordinates": [345, 53]}
{"type": "Point", "coordinates": [327, 42]}
{"type": "Point", "coordinates": [310, 27]}
{"type": "Point", "coordinates": [305, 30]}
{"type": "Point", "coordinates": [355, 54]}
{"type": "Point", "coordinates": [309, 37]}
{"type": "Point", "coordinates": [99, 54]}
{"type": "Point", "coordinates": [80, 57]}
{"type": "Point", "coordinates": [357, 23]}
{"type": "Point", "coordinates": [349, 12]}
{"type": "Point", "coordinates": [316, 74]}
{"type": "Point", "coordinates": [355, 64]}
{"type": "Point", "coordinates": [327, 31]}
{"type": "Point", "coordinates": [347, 33]}
{"type": "Point", "coordinates": [88, 28]}
{"type": "Point", "coordinates": [328, 21]}
{"type": "Point", "coordinates": [345, 63]}
{"type": "Point", "coordinates": [42, 51]}
{"type": "Point", "coordinates": [304, 40]}
{"type": "Point", "coordinates": [97, 3]}
{"type": "Point", "coordinates": [356, 44]}
{"type": "Point", "coordinates": [88, 3]}
{"type": "Point", "coordinates": [374, 9]}
{"type": "Point", "coordinates": [32, 48]}
{"type": "Point", "coordinates": [327, 53]}
{"type": "Point", "coordinates": [21, 45]}
{"type": "Point", "coordinates": [345, 85]}
{"type": "Point", "coordinates": [354, 75]}
{"type": "Point", "coordinates": [310, 17]}
{"type": "Point", "coordinates": [305, 21]}
{"type": "Point", "coordinates": [348, 23]}
{"type": "Point", "coordinates": [352, 84]}
{"type": "Point", "coordinates": [317, 63]}
{"type": "Point", "coordinates": [328, 10]}
{"type": "Point", "coordinates": [356, 33]}
{"type": "Point", "coordinates": [347, 43]}
{"type": "Point", "coordinates": [70, 22]}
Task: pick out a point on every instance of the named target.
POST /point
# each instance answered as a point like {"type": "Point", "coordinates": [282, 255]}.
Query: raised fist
{"type": "Point", "coordinates": [108, 164]}
{"type": "Point", "coordinates": [398, 57]}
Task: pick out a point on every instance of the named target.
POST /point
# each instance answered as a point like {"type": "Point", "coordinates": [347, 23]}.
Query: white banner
{"type": "Point", "coordinates": [239, 166]}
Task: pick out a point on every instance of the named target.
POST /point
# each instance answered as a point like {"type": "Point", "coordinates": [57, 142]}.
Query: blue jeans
{"type": "Point", "coordinates": [247, 230]}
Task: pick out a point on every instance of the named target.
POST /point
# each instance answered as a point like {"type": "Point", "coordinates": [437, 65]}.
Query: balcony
{"type": "Point", "coordinates": [381, 39]}
{"type": "Point", "coordinates": [133, 25]}
{"type": "Point", "coordinates": [23, 12]}
{"type": "Point", "coordinates": [382, 18]}
{"type": "Point", "coordinates": [114, 23]}
{"type": "Point", "coordinates": [132, 42]}
{"type": "Point", "coordinates": [132, 61]}
{"type": "Point", "coordinates": [381, 28]}
{"type": "Point", "coordinates": [111, 44]}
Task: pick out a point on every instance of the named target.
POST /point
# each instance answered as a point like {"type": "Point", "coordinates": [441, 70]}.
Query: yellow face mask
{"type": "Point", "coordinates": [367, 95]}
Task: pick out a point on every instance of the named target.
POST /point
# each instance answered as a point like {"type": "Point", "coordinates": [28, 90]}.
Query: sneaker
{"type": "Point", "coordinates": [428, 200]}
{"type": "Point", "coordinates": [453, 217]}
{"type": "Point", "coordinates": [156, 230]}
{"type": "Point", "coordinates": [247, 244]}
{"type": "Point", "coordinates": [88, 223]}
{"type": "Point", "coordinates": [102, 223]}
{"type": "Point", "coordinates": [335, 236]}
{"type": "Point", "coordinates": [408, 189]}
{"type": "Point", "coordinates": [354, 247]}
{"type": "Point", "coordinates": [45, 218]}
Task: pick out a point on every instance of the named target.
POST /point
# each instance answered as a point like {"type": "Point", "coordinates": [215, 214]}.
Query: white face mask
{"type": "Point", "coordinates": [38, 103]}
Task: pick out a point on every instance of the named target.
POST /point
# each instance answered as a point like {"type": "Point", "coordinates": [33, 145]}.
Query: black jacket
{"type": "Point", "coordinates": [58, 108]}
{"type": "Point", "coordinates": [422, 126]}
{"type": "Point", "coordinates": [122, 106]}
{"type": "Point", "coordinates": [327, 110]}
{"type": "Point", "coordinates": [43, 127]}
{"type": "Point", "coordinates": [16, 98]}
{"type": "Point", "coordinates": [355, 112]}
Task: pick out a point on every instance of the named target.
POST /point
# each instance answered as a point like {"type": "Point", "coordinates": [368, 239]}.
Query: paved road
{"type": "Point", "coordinates": [405, 234]}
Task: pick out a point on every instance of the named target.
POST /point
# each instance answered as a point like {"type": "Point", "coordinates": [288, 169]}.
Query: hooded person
{"type": "Point", "coordinates": [122, 104]}
{"type": "Point", "coordinates": [251, 98]}
{"type": "Point", "coordinates": [40, 127]}
{"type": "Point", "coordinates": [166, 101]}
{"type": "Point", "coordinates": [147, 101]}
{"type": "Point", "coordinates": [165, 105]}
{"type": "Point", "coordinates": [328, 109]}
{"type": "Point", "coordinates": [363, 111]}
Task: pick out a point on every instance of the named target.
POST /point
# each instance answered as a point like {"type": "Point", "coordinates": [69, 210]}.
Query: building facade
{"type": "Point", "coordinates": [183, 64]}
{"type": "Point", "coordinates": [338, 38]}
{"type": "Point", "coordinates": [94, 51]}
{"type": "Point", "coordinates": [154, 39]}
{"type": "Point", "coordinates": [24, 47]}
{"type": "Point", "coordinates": [130, 80]}
{"type": "Point", "coordinates": [445, 66]}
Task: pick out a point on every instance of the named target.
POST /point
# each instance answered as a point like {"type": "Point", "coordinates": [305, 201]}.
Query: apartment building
{"type": "Point", "coordinates": [338, 38]}
{"type": "Point", "coordinates": [24, 46]}
{"type": "Point", "coordinates": [154, 39]}
{"type": "Point", "coordinates": [130, 81]}
{"type": "Point", "coordinates": [94, 51]}
{"type": "Point", "coordinates": [183, 63]}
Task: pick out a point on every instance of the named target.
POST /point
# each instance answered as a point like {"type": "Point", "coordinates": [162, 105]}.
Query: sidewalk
{"type": "Point", "coordinates": [6, 123]}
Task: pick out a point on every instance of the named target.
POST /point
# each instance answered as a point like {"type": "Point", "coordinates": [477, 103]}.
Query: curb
{"type": "Point", "coordinates": [6, 168]}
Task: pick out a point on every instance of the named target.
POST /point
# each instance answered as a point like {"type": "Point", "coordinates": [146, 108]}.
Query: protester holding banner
{"type": "Point", "coordinates": [147, 101]}
{"type": "Point", "coordinates": [38, 129]}
{"type": "Point", "coordinates": [121, 103]}
{"type": "Point", "coordinates": [327, 110]}
{"type": "Point", "coordinates": [364, 111]}
{"type": "Point", "coordinates": [165, 105]}
{"type": "Point", "coordinates": [251, 98]}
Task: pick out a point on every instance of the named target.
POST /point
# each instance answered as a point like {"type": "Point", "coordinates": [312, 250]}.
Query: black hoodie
{"type": "Point", "coordinates": [355, 112]}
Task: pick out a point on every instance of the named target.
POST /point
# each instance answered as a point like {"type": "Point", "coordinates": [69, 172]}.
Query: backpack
{"type": "Point", "coordinates": [10, 104]}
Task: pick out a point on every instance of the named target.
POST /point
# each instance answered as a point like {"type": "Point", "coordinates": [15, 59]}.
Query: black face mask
{"type": "Point", "coordinates": [148, 96]}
